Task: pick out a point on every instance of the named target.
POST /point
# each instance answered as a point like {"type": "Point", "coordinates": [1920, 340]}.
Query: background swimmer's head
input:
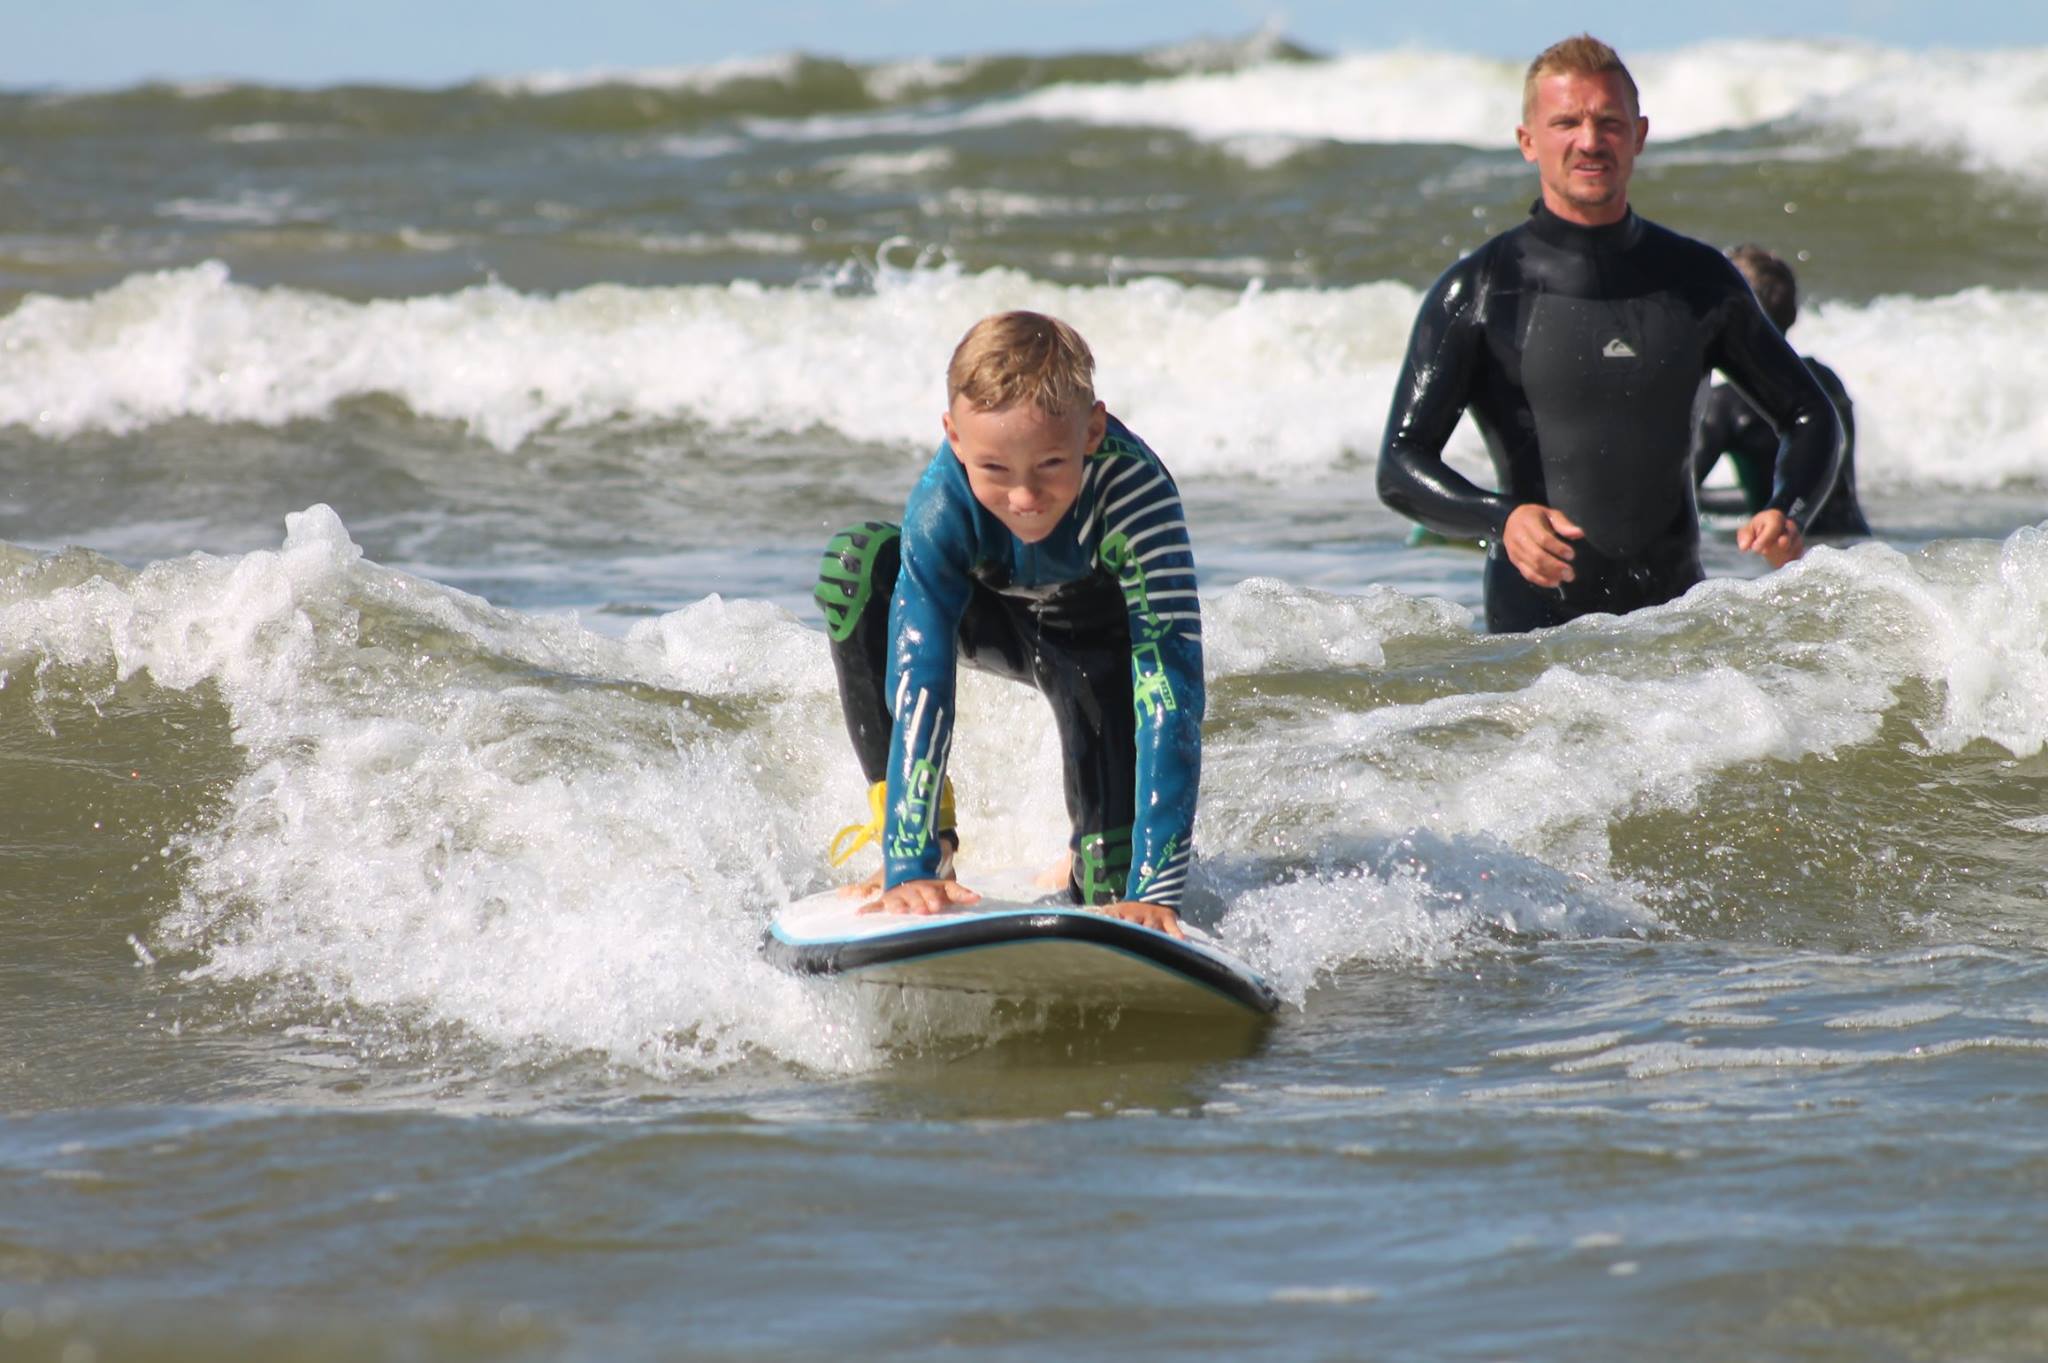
{"type": "Point", "coordinates": [1583, 55]}
{"type": "Point", "coordinates": [1770, 279]}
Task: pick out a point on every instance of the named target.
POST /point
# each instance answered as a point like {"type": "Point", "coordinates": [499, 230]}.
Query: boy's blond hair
{"type": "Point", "coordinates": [1583, 55]}
{"type": "Point", "coordinates": [1014, 357]}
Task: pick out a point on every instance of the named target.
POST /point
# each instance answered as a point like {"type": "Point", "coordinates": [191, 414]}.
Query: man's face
{"type": "Point", "coordinates": [1583, 135]}
{"type": "Point", "coordinates": [1023, 463]}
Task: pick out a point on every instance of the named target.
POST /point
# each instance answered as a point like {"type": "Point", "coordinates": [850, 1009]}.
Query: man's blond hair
{"type": "Point", "coordinates": [1014, 357]}
{"type": "Point", "coordinates": [1584, 55]}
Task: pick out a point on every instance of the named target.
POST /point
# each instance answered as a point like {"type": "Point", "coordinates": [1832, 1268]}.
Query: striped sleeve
{"type": "Point", "coordinates": [1144, 544]}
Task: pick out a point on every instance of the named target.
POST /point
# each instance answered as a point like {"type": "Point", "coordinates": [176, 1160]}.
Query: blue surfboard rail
{"type": "Point", "coordinates": [942, 937]}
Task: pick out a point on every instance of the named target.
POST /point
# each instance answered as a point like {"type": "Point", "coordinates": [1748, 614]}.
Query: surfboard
{"type": "Point", "coordinates": [1019, 941]}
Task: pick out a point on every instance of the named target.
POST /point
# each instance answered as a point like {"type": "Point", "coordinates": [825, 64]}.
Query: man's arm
{"type": "Point", "coordinates": [1429, 397]}
{"type": "Point", "coordinates": [1765, 369]}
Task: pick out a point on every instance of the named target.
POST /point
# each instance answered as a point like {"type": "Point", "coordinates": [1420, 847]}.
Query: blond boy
{"type": "Point", "coordinates": [1045, 543]}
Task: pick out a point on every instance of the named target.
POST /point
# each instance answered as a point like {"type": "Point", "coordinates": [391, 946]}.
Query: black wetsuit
{"type": "Point", "coordinates": [1729, 425]}
{"type": "Point", "coordinates": [1581, 353]}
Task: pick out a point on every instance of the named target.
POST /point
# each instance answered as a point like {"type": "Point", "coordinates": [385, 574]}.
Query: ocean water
{"type": "Point", "coordinates": [411, 711]}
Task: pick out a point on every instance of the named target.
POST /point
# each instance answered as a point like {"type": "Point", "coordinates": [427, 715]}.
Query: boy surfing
{"type": "Point", "coordinates": [1046, 543]}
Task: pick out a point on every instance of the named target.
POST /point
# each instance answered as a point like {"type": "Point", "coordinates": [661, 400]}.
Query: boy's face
{"type": "Point", "coordinates": [1023, 463]}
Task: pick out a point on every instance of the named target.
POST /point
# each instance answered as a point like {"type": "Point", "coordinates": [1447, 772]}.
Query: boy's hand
{"type": "Point", "coordinates": [923, 897]}
{"type": "Point", "coordinates": [870, 885]}
{"type": "Point", "coordinates": [864, 889]}
{"type": "Point", "coordinates": [1155, 916]}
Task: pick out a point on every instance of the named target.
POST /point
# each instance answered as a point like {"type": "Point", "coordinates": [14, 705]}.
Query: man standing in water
{"type": "Point", "coordinates": [1579, 341]}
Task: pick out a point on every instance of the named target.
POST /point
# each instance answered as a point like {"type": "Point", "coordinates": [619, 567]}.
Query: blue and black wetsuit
{"type": "Point", "coordinates": [1101, 616]}
{"type": "Point", "coordinates": [1729, 425]}
{"type": "Point", "coordinates": [1581, 352]}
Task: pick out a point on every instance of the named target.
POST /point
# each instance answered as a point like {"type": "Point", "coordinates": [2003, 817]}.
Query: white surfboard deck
{"type": "Point", "coordinates": [1019, 941]}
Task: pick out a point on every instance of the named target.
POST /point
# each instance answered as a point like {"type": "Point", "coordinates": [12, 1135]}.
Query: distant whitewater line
{"type": "Point", "coordinates": [775, 85]}
{"type": "Point", "coordinates": [1253, 380]}
{"type": "Point", "coordinates": [1990, 109]}
{"type": "Point", "coordinates": [923, 77]}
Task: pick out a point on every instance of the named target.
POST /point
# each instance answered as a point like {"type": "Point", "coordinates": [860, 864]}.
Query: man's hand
{"type": "Point", "coordinates": [923, 897]}
{"type": "Point", "coordinates": [1155, 916]}
{"type": "Point", "coordinates": [1535, 539]}
{"type": "Point", "coordinates": [1772, 534]}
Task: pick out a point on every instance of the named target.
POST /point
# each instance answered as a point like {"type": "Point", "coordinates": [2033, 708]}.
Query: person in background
{"type": "Point", "coordinates": [1729, 426]}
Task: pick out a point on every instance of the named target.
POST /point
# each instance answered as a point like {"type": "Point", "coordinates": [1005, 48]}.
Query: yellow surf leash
{"type": "Point", "coordinates": [855, 836]}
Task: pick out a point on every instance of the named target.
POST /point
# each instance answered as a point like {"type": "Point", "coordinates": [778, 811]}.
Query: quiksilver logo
{"type": "Point", "coordinates": [1618, 349]}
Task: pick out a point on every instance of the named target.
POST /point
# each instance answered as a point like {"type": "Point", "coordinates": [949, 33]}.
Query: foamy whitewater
{"type": "Point", "coordinates": [506, 366]}
{"type": "Point", "coordinates": [412, 711]}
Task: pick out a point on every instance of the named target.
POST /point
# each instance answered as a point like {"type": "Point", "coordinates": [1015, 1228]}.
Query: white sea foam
{"type": "Point", "coordinates": [563, 866]}
{"type": "Point", "coordinates": [1415, 95]}
{"type": "Point", "coordinates": [1971, 616]}
{"type": "Point", "coordinates": [886, 81]}
{"type": "Point", "coordinates": [1308, 372]}
{"type": "Point", "coordinates": [253, 133]}
{"type": "Point", "coordinates": [1539, 1088]}
{"type": "Point", "coordinates": [709, 243]}
{"type": "Point", "coordinates": [1962, 366]}
{"type": "Point", "coordinates": [1343, 1294]}
{"type": "Point", "coordinates": [1263, 625]}
{"type": "Point", "coordinates": [523, 847]}
{"type": "Point", "coordinates": [1989, 110]}
{"type": "Point", "coordinates": [1462, 765]}
{"type": "Point", "coordinates": [192, 343]}
{"type": "Point", "coordinates": [1707, 1019]}
{"type": "Point", "coordinates": [866, 170]}
{"type": "Point", "coordinates": [1570, 1045]}
{"type": "Point", "coordinates": [1985, 110]}
{"type": "Point", "coordinates": [1900, 1015]}
{"type": "Point", "coordinates": [778, 68]}
{"type": "Point", "coordinates": [255, 208]}
{"type": "Point", "coordinates": [1659, 1059]}
{"type": "Point", "coordinates": [1408, 96]}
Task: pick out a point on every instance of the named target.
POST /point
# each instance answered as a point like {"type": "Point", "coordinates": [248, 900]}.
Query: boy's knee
{"type": "Point", "coordinates": [1102, 865]}
{"type": "Point", "coordinates": [850, 575]}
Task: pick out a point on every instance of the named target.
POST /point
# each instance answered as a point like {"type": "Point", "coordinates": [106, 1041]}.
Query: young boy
{"type": "Point", "coordinates": [1047, 544]}
{"type": "Point", "coordinates": [1729, 425]}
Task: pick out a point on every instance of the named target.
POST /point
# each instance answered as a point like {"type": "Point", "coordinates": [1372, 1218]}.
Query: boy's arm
{"type": "Point", "coordinates": [1145, 545]}
{"type": "Point", "coordinates": [924, 624]}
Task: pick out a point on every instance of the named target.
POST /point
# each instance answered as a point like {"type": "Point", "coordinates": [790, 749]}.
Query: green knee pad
{"type": "Point", "coordinates": [846, 575]}
{"type": "Point", "coordinates": [1102, 865]}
